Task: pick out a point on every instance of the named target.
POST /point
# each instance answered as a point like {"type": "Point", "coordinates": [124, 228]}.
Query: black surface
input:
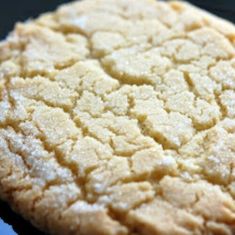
{"type": "Point", "coordinates": [12, 224]}
{"type": "Point", "coordinates": [12, 11]}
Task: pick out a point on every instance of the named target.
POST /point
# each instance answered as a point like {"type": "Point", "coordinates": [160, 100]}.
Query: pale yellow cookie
{"type": "Point", "coordinates": [117, 117]}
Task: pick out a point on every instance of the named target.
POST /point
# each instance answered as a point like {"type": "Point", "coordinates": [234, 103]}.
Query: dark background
{"type": "Point", "coordinates": [12, 11]}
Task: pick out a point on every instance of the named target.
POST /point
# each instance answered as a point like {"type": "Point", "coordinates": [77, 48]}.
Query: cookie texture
{"type": "Point", "coordinates": [117, 117]}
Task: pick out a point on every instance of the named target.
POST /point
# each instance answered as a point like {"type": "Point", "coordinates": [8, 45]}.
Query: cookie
{"type": "Point", "coordinates": [118, 118]}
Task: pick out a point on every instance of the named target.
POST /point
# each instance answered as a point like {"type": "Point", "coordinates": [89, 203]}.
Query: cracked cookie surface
{"type": "Point", "coordinates": [117, 118]}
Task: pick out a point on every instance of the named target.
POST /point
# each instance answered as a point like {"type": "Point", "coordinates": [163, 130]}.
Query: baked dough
{"type": "Point", "coordinates": [117, 117]}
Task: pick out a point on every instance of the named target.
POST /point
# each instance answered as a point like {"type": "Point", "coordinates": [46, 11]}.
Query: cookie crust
{"type": "Point", "coordinates": [118, 118]}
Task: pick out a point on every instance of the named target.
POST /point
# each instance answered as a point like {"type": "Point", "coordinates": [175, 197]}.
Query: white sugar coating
{"type": "Point", "coordinates": [117, 118]}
